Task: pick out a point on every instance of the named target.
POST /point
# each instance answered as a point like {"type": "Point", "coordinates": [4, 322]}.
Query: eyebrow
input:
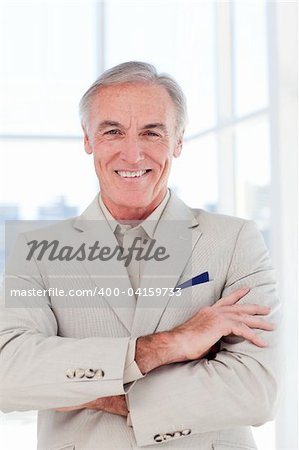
{"type": "Point", "coordinates": [108, 123]}
{"type": "Point", "coordinates": [149, 126]}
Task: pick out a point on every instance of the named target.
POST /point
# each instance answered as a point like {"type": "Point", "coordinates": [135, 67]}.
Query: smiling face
{"type": "Point", "coordinates": [132, 135]}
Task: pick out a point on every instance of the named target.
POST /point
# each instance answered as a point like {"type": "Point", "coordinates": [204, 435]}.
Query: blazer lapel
{"type": "Point", "coordinates": [177, 231]}
{"type": "Point", "coordinates": [109, 274]}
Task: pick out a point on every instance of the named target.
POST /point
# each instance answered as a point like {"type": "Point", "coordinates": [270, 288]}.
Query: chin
{"type": "Point", "coordinates": [135, 200]}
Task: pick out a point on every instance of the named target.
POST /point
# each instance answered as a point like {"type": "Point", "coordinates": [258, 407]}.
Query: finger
{"type": "Point", "coordinates": [252, 309]}
{"type": "Point", "coordinates": [94, 404]}
{"type": "Point", "coordinates": [254, 322]}
{"type": "Point", "coordinates": [70, 408]}
{"type": "Point", "coordinates": [251, 321]}
{"type": "Point", "coordinates": [244, 331]}
{"type": "Point", "coordinates": [232, 298]}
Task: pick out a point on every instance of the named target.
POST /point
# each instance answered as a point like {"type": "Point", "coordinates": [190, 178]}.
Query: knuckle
{"type": "Point", "coordinates": [244, 317]}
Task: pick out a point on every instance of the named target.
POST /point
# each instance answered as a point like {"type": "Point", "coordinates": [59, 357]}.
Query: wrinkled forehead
{"type": "Point", "coordinates": [146, 101]}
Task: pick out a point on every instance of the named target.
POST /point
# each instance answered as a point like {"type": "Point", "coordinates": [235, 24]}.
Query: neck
{"type": "Point", "coordinates": [125, 213]}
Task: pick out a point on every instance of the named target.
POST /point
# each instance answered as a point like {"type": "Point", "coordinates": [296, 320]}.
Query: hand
{"type": "Point", "coordinates": [115, 405]}
{"type": "Point", "coordinates": [195, 337]}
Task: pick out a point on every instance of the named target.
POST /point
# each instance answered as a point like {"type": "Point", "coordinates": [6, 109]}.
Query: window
{"type": "Point", "coordinates": [222, 55]}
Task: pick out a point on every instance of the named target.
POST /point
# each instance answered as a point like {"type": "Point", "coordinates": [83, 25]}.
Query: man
{"type": "Point", "coordinates": [178, 345]}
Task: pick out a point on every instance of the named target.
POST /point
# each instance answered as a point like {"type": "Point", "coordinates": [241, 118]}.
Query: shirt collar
{"type": "Point", "coordinates": [108, 216]}
{"type": "Point", "coordinates": [149, 224]}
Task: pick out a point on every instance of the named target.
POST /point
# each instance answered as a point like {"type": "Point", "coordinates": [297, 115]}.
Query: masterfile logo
{"type": "Point", "coordinates": [141, 249]}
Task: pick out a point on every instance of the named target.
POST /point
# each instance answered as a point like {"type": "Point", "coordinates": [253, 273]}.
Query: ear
{"type": "Point", "coordinates": [179, 146]}
{"type": "Point", "coordinates": [87, 145]}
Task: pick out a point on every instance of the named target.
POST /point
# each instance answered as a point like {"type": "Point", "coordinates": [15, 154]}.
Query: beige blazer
{"type": "Point", "coordinates": [58, 351]}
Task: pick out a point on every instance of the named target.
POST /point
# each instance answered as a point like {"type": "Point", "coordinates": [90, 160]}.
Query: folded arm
{"type": "Point", "coordinates": [239, 386]}
{"type": "Point", "coordinates": [40, 369]}
{"type": "Point", "coordinates": [193, 340]}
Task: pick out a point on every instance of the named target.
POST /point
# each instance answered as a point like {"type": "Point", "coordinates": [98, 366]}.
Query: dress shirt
{"type": "Point", "coordinates": [125, 234]}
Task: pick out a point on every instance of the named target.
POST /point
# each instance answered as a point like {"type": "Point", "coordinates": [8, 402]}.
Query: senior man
{"type": "Point", "coordinates": [178, 346]}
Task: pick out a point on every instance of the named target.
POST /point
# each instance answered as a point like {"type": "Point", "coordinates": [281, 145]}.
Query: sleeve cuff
{"type": "Point", "coordinates": [129, 421]}
{"type": "Point", "coordinates": [131, 372]}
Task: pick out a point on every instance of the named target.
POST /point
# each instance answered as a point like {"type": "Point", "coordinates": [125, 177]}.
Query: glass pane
{"type": "Point", "coordinates": [194, 175]}
{"type": "Point", "coordinates": [264, 436]}
{"type": "Point", "coordinates": [253, 173]}
{"type": "Point", "coordinates": [47, 62]}
{"type": "Point", "coordinates": [38, 174]}
{"type": "Point", "coordinates": [177, 37]}
{"type": "Point", "coordinates": [250, 56]}
{"type": "Point", "coordinates": [45, 180]}
{"type": "Point", "coordinates": [18, 430]}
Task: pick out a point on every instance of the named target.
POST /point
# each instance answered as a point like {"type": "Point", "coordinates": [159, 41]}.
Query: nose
{"type": "Point", "coordinates": [131, 150]}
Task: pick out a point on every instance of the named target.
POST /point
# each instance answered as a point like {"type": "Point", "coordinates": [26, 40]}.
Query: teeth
{"type": "Point", "coordinates": [126, 174]}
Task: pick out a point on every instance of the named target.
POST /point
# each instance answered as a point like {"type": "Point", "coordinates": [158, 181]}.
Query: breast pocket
{"type": "Point", "coordinates": [186, 303]}
{"type": "Point", "coordinates": [203, 294]}
{"type": "Point", "coordinates": [196, 296]}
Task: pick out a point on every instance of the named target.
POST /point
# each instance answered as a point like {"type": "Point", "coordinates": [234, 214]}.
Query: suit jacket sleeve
{"type": "Point", "coordinates": [37, 365]}
{"type": "Point", "coordinates": [238, 386]}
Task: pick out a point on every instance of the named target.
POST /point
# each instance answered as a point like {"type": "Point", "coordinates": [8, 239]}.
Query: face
{"type": "Point", "coordinates": [132, 135]}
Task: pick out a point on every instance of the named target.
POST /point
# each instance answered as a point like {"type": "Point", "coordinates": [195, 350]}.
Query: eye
{"type": "Point", "coordinates": [113, 132]}
{"type": "Point", "coordinates": [151, 134]}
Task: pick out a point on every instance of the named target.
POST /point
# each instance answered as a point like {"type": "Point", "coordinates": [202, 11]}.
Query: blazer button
{"type": "Point", "coordinates": [177, 434]}
{"type": "Point", "coordinates": [158, 438]}
{"type": "Point", "coordinates": [89, 373]}
{"type": "Point", "coordinates": [70, 373]}
{"type": "Point", "coordinates": [99, 374]}
{"type": "Point", "coordinates": [186, 432]}
{"type": "Point", "coordinates": [79, 373]}
{"type": "Point", "coordinates": [167, 436]}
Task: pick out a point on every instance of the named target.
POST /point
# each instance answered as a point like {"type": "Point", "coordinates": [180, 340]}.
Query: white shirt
{"type": "Point", "coordinates": [125, 234]}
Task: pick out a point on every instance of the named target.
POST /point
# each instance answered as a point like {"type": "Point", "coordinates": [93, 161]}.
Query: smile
{"type": "Point", "coordinates": [132, 174]}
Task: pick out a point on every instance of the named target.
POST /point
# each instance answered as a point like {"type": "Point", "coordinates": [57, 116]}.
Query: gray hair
{"type": "Point", "coordinates": [137, 72]}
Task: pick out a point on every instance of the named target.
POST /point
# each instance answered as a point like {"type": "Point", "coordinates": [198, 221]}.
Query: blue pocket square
{"type": "Point", "coordinates": [202, 278]}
